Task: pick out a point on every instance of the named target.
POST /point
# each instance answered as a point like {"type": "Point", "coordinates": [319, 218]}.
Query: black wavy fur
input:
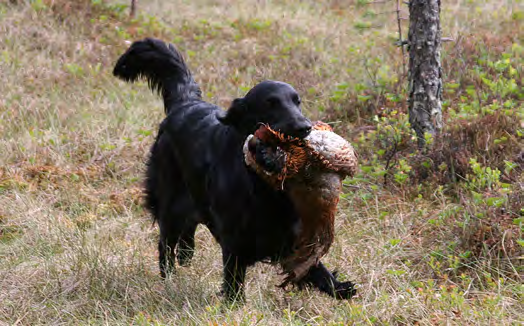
{"type": "Point", "coordinates": [196, 172]}
{"type": "Point", "coordinates": [162, 66]}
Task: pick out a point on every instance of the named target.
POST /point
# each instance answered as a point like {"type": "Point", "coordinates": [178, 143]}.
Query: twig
{"type": "Point", "coordinates": [371, 76]}
{"type": "Point", "coordinates": [385, 12]}
{"type": "Point", "coordinates": [371, 26]}
{"type": "Point", "coordinates": [507, 256]}
{"type": "Point", "coordinates": [376, 1]}
{"type": "Point", "coordinates": [353, 186]}
{"type": "Point", "coordinates": [388, 161]}
{"type": "Point", "coordinates": [447, 39]}
{"type": "Point", "coordinates": [459, 39]}
{"type": "Point", "coordinates": [133, 9]}
{"type": "Point", "coordinates": [400, 39]}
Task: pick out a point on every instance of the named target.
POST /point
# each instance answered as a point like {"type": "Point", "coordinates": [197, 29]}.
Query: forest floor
{"type": "Point", "coordinates": [432, 237]}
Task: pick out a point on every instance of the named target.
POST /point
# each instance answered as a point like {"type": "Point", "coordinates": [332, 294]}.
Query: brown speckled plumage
{"type": "Point", "coordinates": [312, 176]}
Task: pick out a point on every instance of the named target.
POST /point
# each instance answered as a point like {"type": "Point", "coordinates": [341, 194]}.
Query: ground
{"type": "Point", "coordinates": [431, 237]}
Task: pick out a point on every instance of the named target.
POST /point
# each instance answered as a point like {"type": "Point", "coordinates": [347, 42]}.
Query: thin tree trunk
{"type": "Point", "coordinates": [133, 9]}
{"type": "Point", "coordinates": [425, 72]}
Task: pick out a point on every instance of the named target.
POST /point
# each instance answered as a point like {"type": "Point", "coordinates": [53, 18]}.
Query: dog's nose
{"type": "Point", "coordinates": [304, 130]}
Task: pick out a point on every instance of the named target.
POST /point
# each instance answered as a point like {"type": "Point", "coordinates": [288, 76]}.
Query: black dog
{"type": "Point", "coordinates": [196, 172]}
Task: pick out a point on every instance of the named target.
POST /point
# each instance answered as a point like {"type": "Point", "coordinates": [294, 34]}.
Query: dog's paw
{"type": "Point", "coordinates": [344, 290]}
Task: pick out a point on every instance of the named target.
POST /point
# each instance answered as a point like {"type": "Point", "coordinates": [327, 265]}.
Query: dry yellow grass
{"type": "Point", "coordinates": [76, 247]}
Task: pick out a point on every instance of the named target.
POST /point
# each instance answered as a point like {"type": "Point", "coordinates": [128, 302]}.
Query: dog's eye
{"type": "Point", "coordinates": [296, 100]}
{"type": "Point", "coordinates": [273, 101]}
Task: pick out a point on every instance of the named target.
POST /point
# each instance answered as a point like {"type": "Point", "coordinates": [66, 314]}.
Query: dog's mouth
{"type": "Point", "coordinates": [299, 132]}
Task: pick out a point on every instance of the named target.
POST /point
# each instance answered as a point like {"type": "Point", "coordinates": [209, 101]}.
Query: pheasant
{"type": "Point", "coordinates": [310, 171]}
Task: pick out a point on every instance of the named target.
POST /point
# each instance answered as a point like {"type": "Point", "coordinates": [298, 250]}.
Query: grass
{"type": "Point", "coordinates": [427, 246]}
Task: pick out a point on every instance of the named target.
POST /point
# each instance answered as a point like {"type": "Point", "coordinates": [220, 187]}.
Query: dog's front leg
{"type": "Point", "coordinates": [234, 275]}
{"type": "Point", "coordinates": [321, 278]}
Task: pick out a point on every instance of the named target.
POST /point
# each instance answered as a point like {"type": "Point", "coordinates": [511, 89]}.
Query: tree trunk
{"type": "Point", "coordinates": [133, 9]}
{"type": "Point", "coordinates": [425, 72]}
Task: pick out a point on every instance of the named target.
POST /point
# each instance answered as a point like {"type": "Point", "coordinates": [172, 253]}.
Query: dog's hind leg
{"type": "Point", "coordinates": [186, 245]}
{"type": "Point", "coordinates": [165, 256]}
{"type": "Point", "coordinates": [168, 199]}
{"type": "Point", "coordinates": [177, 228]}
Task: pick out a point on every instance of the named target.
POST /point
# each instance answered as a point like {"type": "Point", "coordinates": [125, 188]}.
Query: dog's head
{"type": "Point", "coordinates": [274, 103]}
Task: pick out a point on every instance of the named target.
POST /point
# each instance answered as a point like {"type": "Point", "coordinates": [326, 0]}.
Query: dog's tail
{"type": "Point", "coordinates": [162, 66]}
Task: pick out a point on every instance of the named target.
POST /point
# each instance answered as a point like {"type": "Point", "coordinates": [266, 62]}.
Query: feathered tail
{"type": "Point", "coordinates": [163, 67]}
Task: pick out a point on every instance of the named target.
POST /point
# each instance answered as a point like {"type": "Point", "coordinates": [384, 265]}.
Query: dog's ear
{"type": "Point", "coordinates": [233, 116]}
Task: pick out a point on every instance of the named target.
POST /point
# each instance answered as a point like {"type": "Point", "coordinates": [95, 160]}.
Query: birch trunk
{"type": "Point", "coordinates": [425, 72]}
